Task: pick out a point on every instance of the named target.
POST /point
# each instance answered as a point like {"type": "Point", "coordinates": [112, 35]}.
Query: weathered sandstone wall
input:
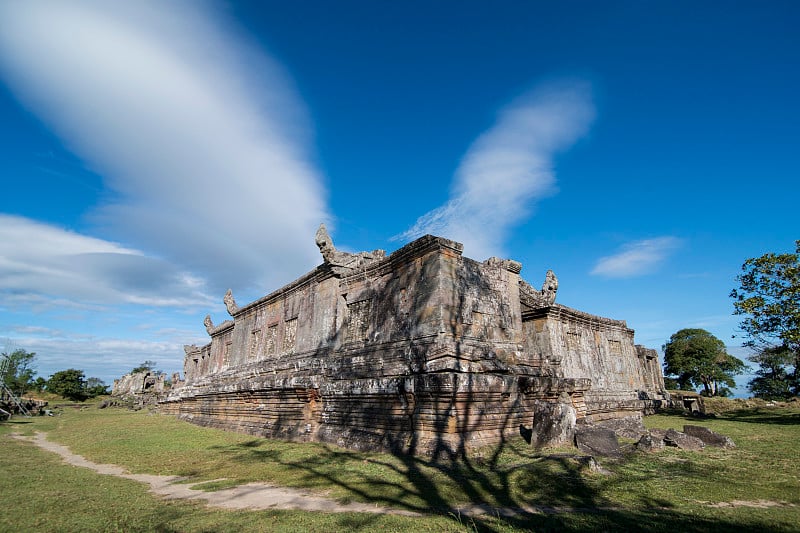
{"type": "Point", "coordinates": [424, 351]}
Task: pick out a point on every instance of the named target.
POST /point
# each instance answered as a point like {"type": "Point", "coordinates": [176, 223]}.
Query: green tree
{"type": "Point", "coordinates": [772, 381]}
{"type": "Point", "coordinates": [768, 298]}
{"type": "Point", "coordinates": [696, 358]}
{"type": "Point", "coordinates": [39, 384]}
{"type": "Point", "coordinates": [19, 374]}
{"type": "Point", "coordinates": [69, 384]}
{"type": "Point", "coordinates": [147, 366]}
{"type": "Point", "coordinates": [95, 387]}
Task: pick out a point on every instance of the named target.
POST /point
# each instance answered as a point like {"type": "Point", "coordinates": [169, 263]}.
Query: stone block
{"type": "Point", "coordinates": [598, 441]}
{"type": "Point", "coordinates": [629, 427]}
{"type": "Point", "coordinates": [553, 423]}
{"type": "Point", "coordinates": [709, 438]}
{"type": "Point", "coordinates": [650, 442]}
{"type": "Point", "coordinates": [682, 441]}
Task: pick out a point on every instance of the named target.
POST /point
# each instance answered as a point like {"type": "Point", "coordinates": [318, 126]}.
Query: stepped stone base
{"type": "Point", "coordinates": [423, 351]}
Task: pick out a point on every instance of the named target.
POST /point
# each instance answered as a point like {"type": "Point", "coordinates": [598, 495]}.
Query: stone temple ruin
{"type": "Point", "coordinates": [143, 388]}
{"type": "Point", "coordinates": [421, 351]}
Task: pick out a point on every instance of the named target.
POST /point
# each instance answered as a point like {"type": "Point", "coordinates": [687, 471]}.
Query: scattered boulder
{"type": "Point", "coordinates": [597, 440]}
{"type": "Point", "coordinates": [709, 437]}
{"type": "Point", "coordinates": [629, 427]}
{"type": "Point", "coordinates": [682, 441]}
{"type": "Point", "coordinates": [650, 442]}
{"type": "Point", "coordinates": [553, 423]}
{"type": "Point", "coordinates": [585, 461]}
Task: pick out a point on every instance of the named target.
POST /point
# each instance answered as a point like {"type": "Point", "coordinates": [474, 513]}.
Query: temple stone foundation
{"type": "Point", "coordinates": [422, 351]}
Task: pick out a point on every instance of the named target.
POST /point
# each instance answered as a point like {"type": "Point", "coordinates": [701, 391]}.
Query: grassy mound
{"type": "Point", "coordinates": [754, 486]}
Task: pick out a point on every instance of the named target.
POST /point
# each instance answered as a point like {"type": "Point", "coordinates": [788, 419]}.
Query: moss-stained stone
{"type": "Point", "coordinates": [423, 350]}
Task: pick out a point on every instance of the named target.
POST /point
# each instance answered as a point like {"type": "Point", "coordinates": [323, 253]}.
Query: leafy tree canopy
{"type": "Point", "coordinates": [147, 366]}
{"type": "Point", "coordinates": [72, 385]}
{"type": "Point", "coordinates": [68, 384]}
{"type": "Point", "coordinates": [19, 373]}
{"type": "Point", "coordinates": [697, 358]}
{"type": "Point", "coordinates": [768, 298]}
{"type": "Point", "coordinates": [772, 381]}
{"type": "Point", "coordinates": [39, 384]}
{"type": "Point", "coordinates": [95, 387]}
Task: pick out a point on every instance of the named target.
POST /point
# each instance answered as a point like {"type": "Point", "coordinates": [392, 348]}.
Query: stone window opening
{"type": "Point", "coordinates": [254, 343]}
{"type": "Point", "coordinates": [572, 340]}
{"type": "Point", "coordinates": [271, 347]}
{"type": "Point", "coordinates": [290, 335]}
{"type": "Point", "coordinates": [358, 314]}
{"type": "Point", "coordinates": [614, 347]}
{"type": "Point", "coordinates": [226, 353]}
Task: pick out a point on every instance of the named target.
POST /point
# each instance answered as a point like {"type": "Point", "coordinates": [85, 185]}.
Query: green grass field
{"type": "Point", "coordinates": [755, 486]}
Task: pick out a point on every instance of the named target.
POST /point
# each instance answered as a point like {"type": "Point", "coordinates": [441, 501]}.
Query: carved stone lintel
{"type": "Point", "coordinates": [342, 263]}
{"type": "Point", "coordinates": [535, 299]}
{"type": "Point", "coordinates": [230, 303]}
{"type": "Point", "coordinates": [208, 324]}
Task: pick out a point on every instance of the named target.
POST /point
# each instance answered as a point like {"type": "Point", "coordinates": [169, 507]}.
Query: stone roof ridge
{"type": "Point", "coordinates": [366, 262]}
{"type": "Point", "coordinates": [580, 315]}
{"type": "Point", "coordinates": [583, 314]}
{"type": "Point", "coordinates": [299, 282]}
{"type": "Point", "coordinates": [428, 241]}
{"type": "Point", "coordinates": [228, 324]}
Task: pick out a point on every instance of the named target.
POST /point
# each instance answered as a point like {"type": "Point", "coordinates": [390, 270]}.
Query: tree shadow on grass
{"type": "Point", "coordinates": [511, 487]}
{"type": "Point", "coordinates": [756, 415]}
{"type": "Point", "coordinates": [15, 422]}
{"type": "Point", "coordinates": [776, 416]}
{"type": "Point", "coordinates": [524, 490]}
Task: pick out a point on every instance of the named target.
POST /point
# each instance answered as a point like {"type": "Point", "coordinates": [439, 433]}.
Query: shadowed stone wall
{"type": "Point", "coordinates": [424, 351]}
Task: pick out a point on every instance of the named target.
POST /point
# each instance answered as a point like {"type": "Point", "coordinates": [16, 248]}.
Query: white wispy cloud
{"type": "Point", "coordinates": [509, 167]}
{"type": "Point", "coordinates": [200, 138]}
{"type": "Point", "coordinates": [636, 258]}
{"type": "Point", "coordinates": [43, 262]}
{"type": "Point", "coordinates": [106, 354]}
{"type": "Point", "coordinates": [105, 357]}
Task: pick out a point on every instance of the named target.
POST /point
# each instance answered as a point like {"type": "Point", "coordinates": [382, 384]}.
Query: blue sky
{"type": "Point", "coordinates": [155, 154]}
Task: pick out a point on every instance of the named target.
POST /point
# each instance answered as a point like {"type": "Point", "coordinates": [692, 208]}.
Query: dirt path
{"type": "Point", "coordinates": [248, 496]}
{"type": "Point", "coordinates": [257, 496]}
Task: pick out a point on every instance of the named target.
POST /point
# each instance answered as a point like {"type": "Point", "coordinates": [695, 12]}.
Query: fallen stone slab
{"type": "Point", "coordinates": [629, 427]}
{"type": "Point", "coordinates": [709, 437]}
{"type": "Point", "coordinates": [598, 441]}
{"type": "Point", "coordinates": [683, 441]}
{"type": "Point", "coordinates": [650, 442]}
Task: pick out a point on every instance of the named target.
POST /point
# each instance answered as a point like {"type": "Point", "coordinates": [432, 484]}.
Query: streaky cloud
{"type": "Point", "coordinates": [509, 167]}
{"type": "Point", "coordinates": [199, 137]}
{"type": "Point", "coordinates": [636, 258]}
{"type": "Point", "coordinates": [104, 357]}
{"type": "Point", "coordinates": [47, 263]}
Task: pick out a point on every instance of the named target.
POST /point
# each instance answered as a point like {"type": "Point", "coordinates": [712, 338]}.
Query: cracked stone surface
{"type": "Point", "coordinates": [424, 351]}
